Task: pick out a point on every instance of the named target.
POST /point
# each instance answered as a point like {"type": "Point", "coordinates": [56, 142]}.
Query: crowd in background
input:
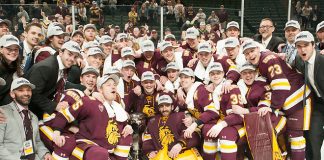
{"type": "Point", "coordinates": [82, 88]}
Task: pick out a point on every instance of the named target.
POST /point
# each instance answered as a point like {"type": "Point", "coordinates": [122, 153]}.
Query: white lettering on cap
{"type": "Point", "coordinates": [23, 81]}
{"type": "Point", "coordinates": [247, 44]}
{"type": "Point", "coordinates": [302, 36]}
{"type": "Point", "coordinates": [229, 42]}
{"type": "Point", "coordinates": [11, 39]}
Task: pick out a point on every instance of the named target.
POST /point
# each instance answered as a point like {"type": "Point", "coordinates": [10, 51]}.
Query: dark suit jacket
{"type": "Point", "coordinates": [318, 72]}
{"type": "Point", "coordinates": [44, 75]}
{"type": "Point", "coordinates": [21, 55]}
{"type": "Point", "coordinates": [273, 43]}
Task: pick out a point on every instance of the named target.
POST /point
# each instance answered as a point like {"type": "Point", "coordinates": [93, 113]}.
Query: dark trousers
{"type": "Point", "coordinates": [316, 133]}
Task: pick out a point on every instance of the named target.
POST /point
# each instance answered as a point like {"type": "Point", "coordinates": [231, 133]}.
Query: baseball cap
{"type": "Point", "coordinates": [192, 33]}
{"type": "Point", "coordinates": [87, 26]}
{"type": "Point", "coordinates": [187, 71]}
{"type": "Point", "coordinates": [233, 24]}
{"type": "Point", "coordinates": [164, 45]}
{"type": "Point", "coordinates": [216, 66]}
{"type": "Point", "coordinates": [202, 23]}
{"type": "Point", "coordinates": [164, 99]}
{"type": "Point", "coordinates": [169, 36]}
{"type": "Point", "coordinates": [127, 51]}
{"type": "Point", "coordinates": [16, 83]}
{"type": "Point", "coordinates": [105, 39]}
{"type": "Point", "coordinates": [172, 65]}
{"type": "Point", "coordinates": [6, 21]}
{"type": "Point", "coordinates": [121, 36]}
{"type": "Point", "coordinates": [76, 32]}
{"type": "Point", "coordinates": [2, 82]}
{"type": "Point", "coordinates": [113, 70]}
{"type": "Point", "coordinates": [95, 50]}
{"type": "Point", "coordinates": [292, 23]}
{"type": "Point", "coordinates": [305, 36]}
{"type": "Point", "coordinates": [72, 46]}
{"type": "Point", "coordinates": [147, 75]}
{"type": "Point", "coordinates": [231, 42]}
{"type": "Point", "coordinates": [319, 26]}
{"type": "Point", "coordinates": [249, 44]}
{"type": "Point", "coordinates": [90, 69]}
{"type": "Point", "coordinates": [147, 45]}
{"type": "Point", "coordinates": [105, 78]}
{"type": "Point", "coordinates": [129, 63]}
{"type": "Point", "coordinates": [54, 29]}
{"type": "Point", "coordinates": [204, 47]}
{"type": "Point", "coordinates": [8, 40]}
{"type": "Point", "coordinates": [87, 45]}
{"type": "Point", "coordinates": [246, 66]}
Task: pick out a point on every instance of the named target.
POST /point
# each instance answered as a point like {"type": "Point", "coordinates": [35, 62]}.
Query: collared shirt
{"type": "Point", "coordinates": [20, 109]}
{"type": "Point", "coordinates": [311, 65]}
{"type": "Point", "coordinates": [61, 68]}
{"type": "Point", "coordinates": [26, 51]}
{"type": "Point", "coordinates": [291, 53]}
{"type": "Point", "coordinates": [266, 42]}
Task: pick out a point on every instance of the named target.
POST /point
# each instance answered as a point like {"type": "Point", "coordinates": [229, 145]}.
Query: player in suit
{"type": "Point", "coordinates": [48, 75]}
{"type": "Point", "coordinates": [314, 77]}
{"type": "Point", "coordinates": [25, 143]}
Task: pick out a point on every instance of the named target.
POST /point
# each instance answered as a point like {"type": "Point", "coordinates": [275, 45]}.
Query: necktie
{"type": "Point", "coordinates": [28, 62]}
{"type": "Point", "coordinates": [306, 81]}
{"type": "Point", "coordinates": [60, 86]}
{"type": "Point", "coordinates": [28, 131]}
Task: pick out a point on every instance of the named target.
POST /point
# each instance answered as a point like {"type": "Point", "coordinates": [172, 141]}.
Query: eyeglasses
{"type": "Point", "coordinates": [265, 27]}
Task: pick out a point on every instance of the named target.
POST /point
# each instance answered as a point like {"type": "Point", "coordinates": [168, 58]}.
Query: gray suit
{"type": "Point", "coordinates": [12, 135]}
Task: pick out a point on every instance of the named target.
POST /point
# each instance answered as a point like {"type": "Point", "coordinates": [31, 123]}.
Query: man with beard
{"type": "Point", "coordinates": [164, 136]}
{"type": "Point", "coordinates": [112, 137]}
{"type": "Point", "coordinates": [50, 78]}
{"type": "Point", "coordinates": [89, 32]}
{"type": "Point", "coordinates": [17, 135]}
{"type": "Point", "coordinates": [33, 34]}
{"type": "Point", "coordinates": [289, 94]}
{"type": "Point", "coordinates": [77, 36]}
{"type": "Point", "coordinates": [88, 78]}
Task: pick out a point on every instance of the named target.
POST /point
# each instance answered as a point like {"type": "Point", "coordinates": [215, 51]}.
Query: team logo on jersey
{"type": "Point", "coordinates": [166, 136]}
{"type": "Point", "coordinates": [112, 133]}
{"type": "Point", "coordinates": [101, 107]}
{"type": "Point", "coordinates": [148, 110]}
